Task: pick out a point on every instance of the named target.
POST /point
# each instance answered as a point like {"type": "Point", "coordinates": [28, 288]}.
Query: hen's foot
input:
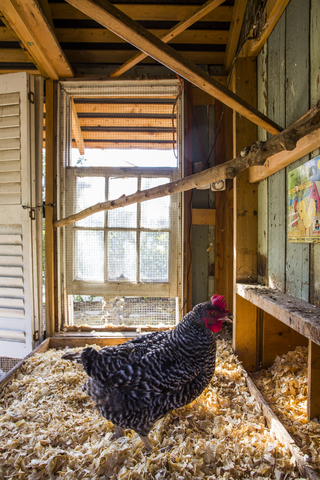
{"type": "Point", "coordinates": [147, 443]}
{"type": "Point", "coordinates": [118, 432]}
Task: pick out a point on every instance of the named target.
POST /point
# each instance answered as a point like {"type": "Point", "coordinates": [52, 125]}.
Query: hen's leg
{"type": "Point", "coordinates": [147, 442]}
{"type": "Point", "coordinates": [118, 432]}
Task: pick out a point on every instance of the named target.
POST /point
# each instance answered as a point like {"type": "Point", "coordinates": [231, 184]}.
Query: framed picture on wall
{"type": "Point", "coordinates": [304, 202]}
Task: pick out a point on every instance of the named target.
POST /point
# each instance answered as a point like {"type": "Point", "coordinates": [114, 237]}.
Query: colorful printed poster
{"type": "Point", "coordinates": [304, 203]}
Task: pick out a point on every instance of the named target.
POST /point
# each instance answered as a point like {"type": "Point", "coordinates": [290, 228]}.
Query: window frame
{"type": "Point", "coordinates": [71, 89]}
{"type": "Point", "coordinates": [87, 287]}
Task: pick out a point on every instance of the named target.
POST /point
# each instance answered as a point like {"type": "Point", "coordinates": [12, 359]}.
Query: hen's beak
{"type": "Point", "coordinates": [228, 319]}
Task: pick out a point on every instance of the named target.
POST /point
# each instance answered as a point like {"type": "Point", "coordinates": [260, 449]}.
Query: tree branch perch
{"type": "Point", "coordinates": [254, 155]}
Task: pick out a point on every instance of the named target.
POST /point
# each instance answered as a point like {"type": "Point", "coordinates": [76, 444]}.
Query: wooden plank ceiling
{"type": "Point", "coordinates": [89, 47]}
{"type": "Point", "coordinates": [61, 39]}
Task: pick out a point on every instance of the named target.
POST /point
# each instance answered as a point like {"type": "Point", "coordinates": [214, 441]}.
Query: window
{"type": "Point", "coordinates": [120, 266]}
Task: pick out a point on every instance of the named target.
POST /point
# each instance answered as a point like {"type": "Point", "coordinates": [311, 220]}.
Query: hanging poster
{"type": "Point", "coordinates": [304, 203]}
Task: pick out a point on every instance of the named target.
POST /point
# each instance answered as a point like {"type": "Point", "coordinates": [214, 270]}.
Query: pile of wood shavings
{"type": "Point", "coordinates": [285, 385]}
{"type": "Point", "coordinates": [49, 429]}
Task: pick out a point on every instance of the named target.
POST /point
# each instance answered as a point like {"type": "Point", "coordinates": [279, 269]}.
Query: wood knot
{"type": "Point", "coordinates": [230, 173]}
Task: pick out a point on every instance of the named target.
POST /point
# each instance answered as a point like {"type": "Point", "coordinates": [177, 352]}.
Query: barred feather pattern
{"type": "Point", "coordinates": [138, 382]}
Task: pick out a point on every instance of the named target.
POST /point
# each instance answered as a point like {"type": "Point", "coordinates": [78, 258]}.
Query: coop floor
{"type": "Point", "coordinates": [50, 429]}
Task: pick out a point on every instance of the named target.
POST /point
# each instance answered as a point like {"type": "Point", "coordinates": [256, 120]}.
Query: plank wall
{"type": "Point", "coordinates": [288, 85]}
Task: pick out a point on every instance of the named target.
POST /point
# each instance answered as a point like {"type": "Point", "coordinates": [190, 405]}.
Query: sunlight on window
{"type": "Point", "coordinates": [94, 157]}
{"type": "Point", "coordinates": [126, 216]}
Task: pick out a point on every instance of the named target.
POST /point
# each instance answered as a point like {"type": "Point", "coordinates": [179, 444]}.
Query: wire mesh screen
{"type": "Point", "coordinates": [7, 363]}
{"type": "Point", "coordinates": [129, 311]}
{"type": "Point", "coordinates": [117, 139]}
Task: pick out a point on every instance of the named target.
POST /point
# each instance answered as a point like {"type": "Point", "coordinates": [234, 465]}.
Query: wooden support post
{"type": "Point", "coordinates": [49, 230]}
{"type": "Point", "coordinates": [187, 212]}
{"type": "Point", "coordinates": [245, 333]}
{"type": "Point", "coordinates": [245, 219]}
{"type": "Point", "coordinates": [278, 339]}
{"type": "Point", "coordinates": [223, 276]}
{"type": "Point", "coordinates": [313, 405]}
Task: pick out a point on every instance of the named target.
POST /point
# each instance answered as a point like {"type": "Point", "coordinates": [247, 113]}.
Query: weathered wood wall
{"type": "Point", "coordinates": [288, 85]}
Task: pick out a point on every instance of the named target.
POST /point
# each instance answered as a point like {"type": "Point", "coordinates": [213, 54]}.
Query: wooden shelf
{"type": "Point", "coordinates": [272, 324]}
{"type": "Point", "coordinates": [297, 314]}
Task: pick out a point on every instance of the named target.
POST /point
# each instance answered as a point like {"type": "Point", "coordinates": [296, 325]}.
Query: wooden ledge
{"type": "Point", "coordinates": [281, 433]}
{"type": "Point", "coordinates": [81, 339]}
{"type": "Point", "coordinates": [297, 314]}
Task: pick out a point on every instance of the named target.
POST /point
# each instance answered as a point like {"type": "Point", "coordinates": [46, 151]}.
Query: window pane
{"type": "Point", "coordinates": [90, 190]}
{"type": "Point", "coordinates": [154, 257]}
{"type": "Point", "coordinates": [89, 255]}
{"type": "Point", "coordinates": [155, 213]}
{"type": "Point", "coordinates": [127, 216]}
{"type": "Point", "coordinates": [122, 256]}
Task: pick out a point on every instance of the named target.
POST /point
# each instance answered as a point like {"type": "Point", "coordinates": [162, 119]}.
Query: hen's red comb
{"type": "Point", "coordinates": [219, 301]}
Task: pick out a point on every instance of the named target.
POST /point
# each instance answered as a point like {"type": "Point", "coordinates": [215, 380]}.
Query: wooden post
{"type": "Point", "coordinates": [313, 405]}
{"type": "Point", "coordinates": [187, 212]}
{"type": "Point", "coordinates": [49, 230]}
{"type": "Point", "coordinates": [223, 276]}
{"type": "Point", "coordinates": [246, 331]}
{"type": "Point", "coordinates": [245, 221]}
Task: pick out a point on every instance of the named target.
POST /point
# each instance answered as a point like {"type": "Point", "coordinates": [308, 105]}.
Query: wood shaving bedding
{"type": "Point", "coordinates": [285, 386]}
{"type": "Point", "coordinates": [49, 429]}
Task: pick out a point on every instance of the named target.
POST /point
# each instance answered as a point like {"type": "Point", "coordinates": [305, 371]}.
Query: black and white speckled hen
{"type": "Point", "coordinates": [138, 382]}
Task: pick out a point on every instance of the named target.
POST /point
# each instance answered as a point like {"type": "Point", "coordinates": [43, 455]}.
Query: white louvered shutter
{"type": "Point", "coordinates": [20, 312]}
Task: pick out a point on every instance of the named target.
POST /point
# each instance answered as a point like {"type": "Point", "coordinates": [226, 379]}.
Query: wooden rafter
{"type": "Point", "coordinates": [234, 33]}
{"type": "Point", "coordinates": [256, 154]}
{"type": "Point", "coordinates": [99, 35]}
{"type": "Point", "coordinates": [76, 129]}
{"type": "Point", "coordinates": [120, 56]}
{"type": "Point", "coordinates": [45, 7]}
{"type": "Point", "coordinates": [272, 12]}
{"type": "Point", "coordinates": [36, 36]}
{"type": "Point", "coordinates": [113, 19]}
{"type": "Point", "coordinates": [146, 12]}
{"type": "Point", "coordinates": [174, 32]}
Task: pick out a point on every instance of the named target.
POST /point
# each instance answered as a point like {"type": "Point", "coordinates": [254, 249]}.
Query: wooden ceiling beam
{"type": "Point", "coordinates": [170, 35]}
{"type": "Point", "coordinates": [126, 122]}
{"type": "Point", "coordinates": [99, 35]}
{"type": "Point", "coordinates": [103, 12]}
{"type": "Point", "coordinates": [146, 12]}
{"type": "Point", "coordinates": [36, 36]}
{"type": "Point", "coordinates": [76, 129]}
{"type": "Point", "coordinates": [125, 108]}
{"type": "Point", "coordinates": [88, 56]}
{"type": "Point", "coordinates": [128, 136]}
{"type": "Point", "coordinates": [272, 12]}
{"type": "Point", "coordinates": [234, 33]}
{"type": "Point", "coordinates": [14, 55]}
{"type": "Point", "coordinates": [128, 144]}
{"type": "Point", "coordinates": [45, 7]}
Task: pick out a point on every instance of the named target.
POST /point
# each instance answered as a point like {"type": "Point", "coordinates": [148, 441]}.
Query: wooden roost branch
{"type": "Point", "coordinates": [256, 154]}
